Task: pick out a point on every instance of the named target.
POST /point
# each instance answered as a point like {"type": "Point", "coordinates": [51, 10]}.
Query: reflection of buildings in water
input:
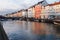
{"type": "Point", "coordinates": [29, 26]}
{"type": "Point", "coordinates": [38, 28]}
{"type": "Point", "coordinates": [50, 29]}
{"type": "Point", "coordinates": [25, 27]}
{"type": "Point", "coordinates": [19, 24]}
{"type": "Point", "coordinates": [42, 28]}
{"type": "Point", "coordinates": [35, 27]}
{"type": "Point", "coordinates": [57, 29]}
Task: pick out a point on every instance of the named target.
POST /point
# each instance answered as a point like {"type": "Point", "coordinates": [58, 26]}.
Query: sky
{"type": "Point", "coordinates": [9, 6]}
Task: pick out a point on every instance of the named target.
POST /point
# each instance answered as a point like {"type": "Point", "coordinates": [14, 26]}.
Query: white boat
{"type": "Point", "coordinates": [57, 22]}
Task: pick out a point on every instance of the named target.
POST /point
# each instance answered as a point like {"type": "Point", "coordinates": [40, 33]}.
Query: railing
{"type": "Point", "coordinates": [3, 35]}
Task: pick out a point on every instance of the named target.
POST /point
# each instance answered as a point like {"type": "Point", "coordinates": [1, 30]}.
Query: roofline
{"type": "Point", "coordinates": [56, 3]}
{"type": "Point", "coordinates": [35, 4]}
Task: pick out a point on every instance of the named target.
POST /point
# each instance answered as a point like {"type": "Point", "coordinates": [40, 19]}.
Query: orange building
{"type": "Point", "coordinates": [19, 14]}
{"type": "Point", "coordinates": [16, 14]}
{"type": "Point", "coordinates": [38, 11]}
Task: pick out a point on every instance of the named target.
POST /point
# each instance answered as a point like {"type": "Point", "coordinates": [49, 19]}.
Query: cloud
{"type": "Point", "coordinates": [18, 4]}
{"type": "Point", "coordinates": [8, 5]}
{"type": "Point", "coordinates": [52, 1]}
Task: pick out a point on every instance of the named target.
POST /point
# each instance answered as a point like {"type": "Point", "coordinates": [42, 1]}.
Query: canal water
{"type": "Point", "coordinates": [24, 30]}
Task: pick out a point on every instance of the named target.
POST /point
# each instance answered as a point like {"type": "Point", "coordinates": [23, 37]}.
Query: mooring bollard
{"type": "Point", "coordinates": [3, 35]}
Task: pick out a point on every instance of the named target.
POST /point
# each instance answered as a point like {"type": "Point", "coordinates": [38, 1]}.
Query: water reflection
{"type": "Point", "coordinates": [23, 30]}
{"type": "Point", "coordinates": [57, 28]}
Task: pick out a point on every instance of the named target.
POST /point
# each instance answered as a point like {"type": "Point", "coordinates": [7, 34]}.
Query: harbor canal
{"type": "Point", "coordinates": [24, 30]}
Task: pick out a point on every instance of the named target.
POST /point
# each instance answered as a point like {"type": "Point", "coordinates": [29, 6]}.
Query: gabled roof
{"type": "Point", "coordinates": [36, 4]}
{"type": "Point", "coordinates": [56, 3]}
